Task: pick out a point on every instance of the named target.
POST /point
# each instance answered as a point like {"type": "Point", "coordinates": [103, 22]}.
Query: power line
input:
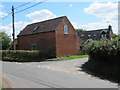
{"type": "Point", "coordinates": [30, 6]}
{"type": "Point", "coordinates": [24, 4]}
{"type": "Point", "coordinates": [6, 16]}
{"type": "Point", "coordinates": [16, 9]}
{"type": "Point", "coordinates": [22, 9]}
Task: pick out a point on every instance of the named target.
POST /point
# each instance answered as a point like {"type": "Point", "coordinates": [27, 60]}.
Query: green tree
{"type": "Point", "coordinates": [5, 41]}
{"type": "Point", "coordinates": [80, 29]}
{"type": "Point", "coordinates": [115, 36]}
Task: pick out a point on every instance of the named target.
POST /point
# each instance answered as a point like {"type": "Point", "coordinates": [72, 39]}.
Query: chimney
{"type": "Point", "coordinates": [109, 27]}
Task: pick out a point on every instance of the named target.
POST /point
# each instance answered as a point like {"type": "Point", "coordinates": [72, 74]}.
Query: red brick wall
{"type": "Point", "coordinates": [44, 41]}
{"type": "Point", "coordinates": [66, 44]}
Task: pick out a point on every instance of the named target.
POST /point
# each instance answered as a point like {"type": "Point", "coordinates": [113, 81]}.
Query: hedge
{"type": "Point", "coordinates": [107, 51]}
{"type": "Point", "coordinates": [26, 55]}
{"type": "Point", "coordinates": [104, 58]}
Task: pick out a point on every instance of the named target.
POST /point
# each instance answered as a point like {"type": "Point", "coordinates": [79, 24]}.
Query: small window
{"type": "Point", "coordinates": [103, 36]}
{"type": "Point", "coordinates": [35, 28]}
{"type": "Point", "coordinates": [82, 35]}
{"type": "Point", "coordinates": [89, 35]}
{"type": "Point", "coordinates": [66, 29]}
{"type": "Point", "coordinates": [34, 47]}
{"type": "Point", "coordinates": [94, 35]}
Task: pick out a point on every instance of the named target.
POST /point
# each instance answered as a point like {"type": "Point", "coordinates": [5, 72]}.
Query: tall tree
{"type": "Point", "coordinates": [5, 41]}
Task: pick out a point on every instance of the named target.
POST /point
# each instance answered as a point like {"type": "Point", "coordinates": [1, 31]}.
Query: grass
{"type": "Point", "coordinates": [71, 57]}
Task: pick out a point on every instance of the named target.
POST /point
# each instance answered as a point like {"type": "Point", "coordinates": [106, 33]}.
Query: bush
{"type": "Point", "coordinates": [107, 51]}
{"type": "Point", "coordinates": [26, 55]}
{"type": "Point", "coordinates": [104, 58]}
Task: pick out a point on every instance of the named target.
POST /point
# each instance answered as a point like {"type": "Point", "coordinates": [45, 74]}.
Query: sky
{"type": "Point", "coordinates": [83, 15]}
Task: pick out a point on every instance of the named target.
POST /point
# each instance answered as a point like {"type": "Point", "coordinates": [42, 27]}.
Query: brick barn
{"type": "Point", "coordinates": [55, 34]}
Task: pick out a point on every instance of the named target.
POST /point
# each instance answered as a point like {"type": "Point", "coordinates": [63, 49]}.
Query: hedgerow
{"type": "Point", "coordinates": [107, 51]}
{"type": "Point", "coordinates": [26, 55]}
{"type": "Point", "coordinates": [104, 58]}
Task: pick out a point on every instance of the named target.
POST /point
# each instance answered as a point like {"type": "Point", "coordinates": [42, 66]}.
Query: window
{"type": "Point", "coordinates": [103, 36]}
{"type": "Point", "coordinates": [35, 28]}
{"type": "Point", "coordinates": [66, 29]}
{"type": "Point", "coordinates": [34, 47]}
{"type": "Point", "coordinates": [89, 36]}
{"type": "Point", "coordinates": [94, 35]}
{"type": "Point", "coordinates": [82, 35]}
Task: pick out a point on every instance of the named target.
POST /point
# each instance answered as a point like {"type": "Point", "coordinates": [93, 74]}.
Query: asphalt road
{"type": "Point", "coordinates": [51, 74]}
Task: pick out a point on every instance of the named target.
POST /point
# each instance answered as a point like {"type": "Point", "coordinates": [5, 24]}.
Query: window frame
{"type": "Point", "coordinates": [66, 29]}
{"type": "Point", "coordinates": [103, 36]}
{"type": "Point", "coordinates": [34, 46]}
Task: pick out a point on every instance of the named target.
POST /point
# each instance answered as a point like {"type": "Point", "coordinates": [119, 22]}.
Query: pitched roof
{"type": "Point", "coordinates": [95, 34]}
{"type": "Point", "coordinates": [44, 26]}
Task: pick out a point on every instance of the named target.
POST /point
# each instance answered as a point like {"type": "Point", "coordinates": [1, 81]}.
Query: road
{"type": "Point", "coordinates": [51, 74]}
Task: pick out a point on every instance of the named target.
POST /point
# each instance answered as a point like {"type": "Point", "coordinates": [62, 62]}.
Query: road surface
{"type": "Point", "coordinates": [51, 74]}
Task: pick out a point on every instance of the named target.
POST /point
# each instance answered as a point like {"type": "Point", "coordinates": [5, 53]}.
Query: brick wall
{"type": "Point", "coordinates": [66, 44]}
{"type": "Point", "coordinates": [44, 41]}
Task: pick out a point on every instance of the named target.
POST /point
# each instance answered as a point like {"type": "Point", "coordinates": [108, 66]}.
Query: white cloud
{"type": "Point", "coordinates": [76, 26]}
{"type": "Point", "coordinates": [18, 27]}
{"type": "Point", "coordinates": [41, 15]}
{"type": "Point", "coordinates": [106, 11]}
{"type": "Point", "coordinates": [1, 6]}
{"type": "Point", "coordinates": [35, 17]}
{"type": "Point", "coordinates": [3, 14]}
{"type": "Point", "coordinates": [96, 25]}
{"type": "Point", "coordinates": [70, 5]}
{"type": "Point", "coordinates": [91, 26]}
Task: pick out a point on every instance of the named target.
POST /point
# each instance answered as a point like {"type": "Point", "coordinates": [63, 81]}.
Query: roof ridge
{"type": "Point", "coordinates": [96, 30]}
{"type": "Point", "coordinates": [47, 20]}
{"type": "Point", "coordinates": [44, 26]}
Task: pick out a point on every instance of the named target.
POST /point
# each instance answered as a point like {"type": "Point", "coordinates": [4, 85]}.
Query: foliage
{"type": "Point", "coordinates": [26, 55]}
{"type": "Point", "coordinates": [104, 51]}
{"type": "Point", "coordinates": [104, 58]}
{"type": "Point", "coordinates": [114, 36]}
{"type": "Point", "coordinates": [80, 29]}
{"type": "Point", "coordinates": [5, 40]}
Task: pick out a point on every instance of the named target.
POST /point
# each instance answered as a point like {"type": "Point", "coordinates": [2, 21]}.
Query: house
{"type": "Point", "coordinates": [55, 34]}
{"type": "Point", "coordinates": [96, 34]}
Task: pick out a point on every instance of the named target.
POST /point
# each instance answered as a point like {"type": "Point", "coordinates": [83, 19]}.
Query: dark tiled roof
{"type": "Point", "coordinates": [44, 26]}
{"type": "Point", "coordinates": [92, 34]}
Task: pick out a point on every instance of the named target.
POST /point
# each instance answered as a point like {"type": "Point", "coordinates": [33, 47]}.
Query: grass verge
{"type": "Point", "coordinates": [71, 57]}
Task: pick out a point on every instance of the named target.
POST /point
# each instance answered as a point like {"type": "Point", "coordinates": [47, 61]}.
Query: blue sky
{"type": "Point", "coordinates": [84, 15]}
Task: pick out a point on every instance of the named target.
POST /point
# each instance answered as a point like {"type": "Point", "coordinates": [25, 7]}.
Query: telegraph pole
{"type": "Point", "coordinates": [13, 27]}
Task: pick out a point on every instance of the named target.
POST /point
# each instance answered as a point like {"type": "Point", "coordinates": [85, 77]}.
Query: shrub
{"type": "Point", "coordinates": [104, 58]}
{"type": "Point", "coordinates": [26, 55]}
{"type": "Point", "coordinates": [107, 51]}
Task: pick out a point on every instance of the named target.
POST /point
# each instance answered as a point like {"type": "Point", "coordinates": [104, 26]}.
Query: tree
{"type": "Point", "coordinates": [115, 36]}
{"type": "Point", "coordinates": [5, 41]}
{"type": "Point", "coordinates": [80, 29]}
